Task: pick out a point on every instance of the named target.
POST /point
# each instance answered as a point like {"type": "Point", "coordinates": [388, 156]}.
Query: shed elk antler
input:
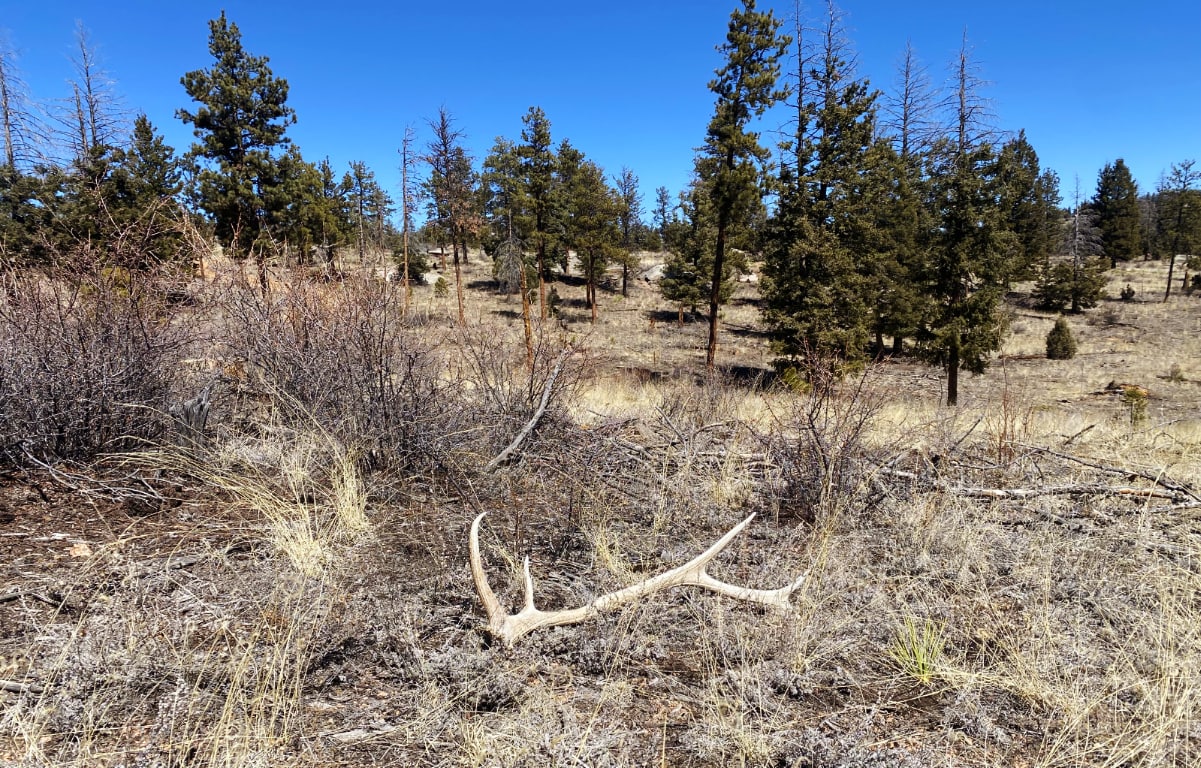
{"type": "Point", "coordinates": [508, 628]}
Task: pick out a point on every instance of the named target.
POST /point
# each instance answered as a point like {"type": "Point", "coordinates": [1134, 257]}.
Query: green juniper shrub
{"type": "Point", "coordinates": [1061, 344]}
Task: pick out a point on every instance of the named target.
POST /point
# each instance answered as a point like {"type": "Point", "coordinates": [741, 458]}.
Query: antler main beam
{"type": "Point", "coordinates": [510, 627]}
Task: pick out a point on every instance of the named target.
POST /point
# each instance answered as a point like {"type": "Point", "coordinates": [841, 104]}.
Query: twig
{"type": "Point", "coordinates": [1078, 435]}
{"type": "Point", "coordinates": [505, 455]}
{"type": "Point", "coordinates": [9, 597]}
{"type": "Point", "coordinates": [356, 735]}
{"type": "Point", "coordinates": [11, 687]}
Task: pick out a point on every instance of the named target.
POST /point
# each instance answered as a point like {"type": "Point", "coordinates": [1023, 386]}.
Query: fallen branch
{"type": "Point", "coordinates": [504, 456]}
{"type": "Point", "coordinates": [1079, 489]}
{"type": "Point", "coordinates": [356, 735]}
{"type": "Point", "coordinates": [9, 597]}
{"type": "Point", "coordinates": [1158, 479]}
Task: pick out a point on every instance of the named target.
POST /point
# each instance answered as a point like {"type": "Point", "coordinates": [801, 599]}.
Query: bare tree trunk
{"type": "Point", "coordinates": [953, 372]}
{"type": "Point", "coordinates": [719, 257]}
{"type": "Point", "coordinates": [459, 287]}
{"type": "Point", "coordinates": [592, 296]}
{"type": "Point", "coordinates": [1171, 268]}
{"type": "Point", "coordinates": [542, 312]}
{"type": "Point", "coordinates": [406, 159]}
{"type": "Point", "coordinates": [525, 319]}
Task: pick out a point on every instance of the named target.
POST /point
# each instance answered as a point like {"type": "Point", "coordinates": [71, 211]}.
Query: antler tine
{"type": "Point", "coordinates": [496, 614]}
{"type": "Point", "coordinates": [529, 586]}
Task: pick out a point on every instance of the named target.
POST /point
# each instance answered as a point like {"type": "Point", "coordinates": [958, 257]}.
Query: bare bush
{"type": "Point", "coordinates": [819, 445]}
{"type": "Point", "coordinates": [341, 356]}
{"type": "Point", "coordinates": [87, 363]}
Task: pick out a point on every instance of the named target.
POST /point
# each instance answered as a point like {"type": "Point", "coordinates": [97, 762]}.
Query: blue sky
{"type": "Point", "coordinates": [625, 80]}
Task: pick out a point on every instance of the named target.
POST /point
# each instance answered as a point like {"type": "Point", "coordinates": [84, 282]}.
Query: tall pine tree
{"type": "Point", "coordinates": [728, 166]}
{"type": "Point", "coordinates": [971, 248]}
{"type": "Point", "coordinates": [826, 264]}
{"type": "Point", "coordinates": [241, 122]}
{"type": "Point", "coordinates": [1116, 208]}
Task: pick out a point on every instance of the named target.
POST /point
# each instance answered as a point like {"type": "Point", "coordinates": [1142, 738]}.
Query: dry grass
{"type": "Point", "coordinates": [326, 616]}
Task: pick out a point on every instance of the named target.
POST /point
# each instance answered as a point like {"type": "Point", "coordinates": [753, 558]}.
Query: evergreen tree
{"type": "Point", "coordinates": [333, 225]}
{"type": "Point", "coordinates": [303, 215]}
{"type": "Point", "coordinates": [241, 121]}
{"type": "Point", "coordinates": [690, 241]}
{"type": "Point", "coordinates": [538, 165]}
{"type": "Point", "coordinates": [1178, 216]}
{"type": "Point", "coordinates": [568, 162]}
{"type": "Point", "coordinates": [505, 200]}
{"type": "Point", "coordinates": [1029, 201]}
{"type": "Point", "coordinates": [630, 219]}
{"type": "Point", "coordinates": [728, 167]}
{"type": "Point", "coordinates": [593, 211]}
{"type": "Point", "coordinates": [452, 189]}
{"type": "Point", "coordinates": [24, 217]}
{"type": "Point", "coordinates": [664, 212]}
{"type": "Point", "coordinates": [368, 207]}
{"type": "Point", "coordinates": [1116, 207]}
{"type": "Point", "coordinates": [826, 263]}
{"type": "Point", "coordinates": [147, 181]}
{"type": "Point", "coordinates": [1076, 281]}
{"type": "Point", "coordinates": [971, 247]}
{"type": "Point", "coordinates": [910, 121]}
{"type": "Point", "coordinates": [1061, 344]}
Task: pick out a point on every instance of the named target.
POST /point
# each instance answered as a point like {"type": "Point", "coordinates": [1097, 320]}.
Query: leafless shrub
{"type": "Point", "coordinates": [819, 445]}
{"type": "Point", "coordinates": [340, 354]}
{"type": "Point", "coordinates": [88, 361]}
{"type": "Point", "coordinates": [504, 392]}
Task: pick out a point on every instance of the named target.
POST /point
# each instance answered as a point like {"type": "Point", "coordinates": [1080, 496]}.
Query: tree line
{"type": "Point", "coordinates": [884, 222]}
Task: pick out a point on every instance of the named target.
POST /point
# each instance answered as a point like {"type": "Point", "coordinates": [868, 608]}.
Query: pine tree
{"type": "Point", "coordinates": [1076, 281]}
{"type": "Point", "coordinates": [1029, 200]}
{"type": "Point", "coordinates": [452, 189]}
{"type": "Point", "coordinates": [1061, 344]}
{"type": "Point", "coordinates": [664, 212]}
{"type": "Point", "coordinates": [1178, 216]}
{"type": "Point", "coordinates": [687, 273]}
{"type": "Point", "coordinates": [505, 200]}
{"type": "Point", "coordinates": [971, 245]}
{"type": "Point", "coordinates": [746, 86]}
{"type": "Point", "coordinates": [593, 211]}
{"type": "Point", "coordinates": [241, 121]}
{"type": "Point", "coordinates": [1116, 207]}
{"type": "Point", "coordinates": [911, 122]}
{"type": "Point", "coordinates": [826, 262]}
{"type": "Point", "coordinates": [629, 217]}
{"type": "Point", "coordinates": [538, 166]}
{"type": "Point", "coordinates": [147, 180]}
